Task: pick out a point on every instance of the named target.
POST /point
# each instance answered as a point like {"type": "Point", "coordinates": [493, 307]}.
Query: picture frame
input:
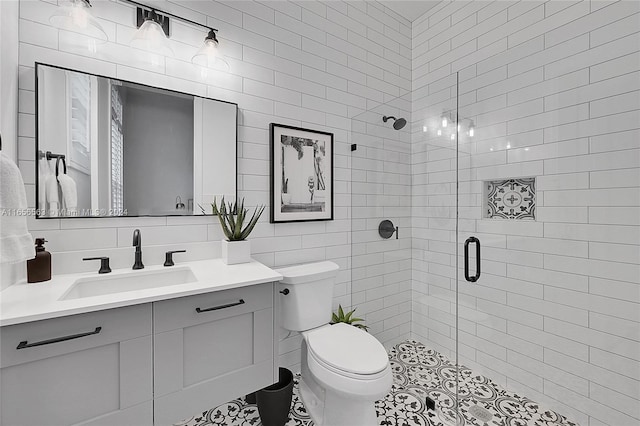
{"type": "Point", "coordinates": [301, 174]}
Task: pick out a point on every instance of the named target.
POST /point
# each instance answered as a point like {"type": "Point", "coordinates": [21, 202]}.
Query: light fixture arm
{"type": "Point", "coordinates": [164, 13]}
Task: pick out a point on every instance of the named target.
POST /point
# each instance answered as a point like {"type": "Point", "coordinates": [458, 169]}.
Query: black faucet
{"type": "Point", "coordinates": [137, 243]}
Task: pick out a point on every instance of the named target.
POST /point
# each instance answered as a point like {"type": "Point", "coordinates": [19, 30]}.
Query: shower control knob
{"type": "Point", "coordinates": [285, 291]}
{"type": "Point", "coordinates": [386, 229]}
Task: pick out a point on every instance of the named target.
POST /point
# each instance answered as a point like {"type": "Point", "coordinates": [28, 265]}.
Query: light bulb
{"type": "Point", "coordinates": [79, 16]}
{"type": "Point", "coordinates": [445, 123]}
{"type": "Point", "coordinates": [209, 54]}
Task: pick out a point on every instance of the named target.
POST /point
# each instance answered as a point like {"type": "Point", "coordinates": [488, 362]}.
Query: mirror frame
{"type": "Point", "coordinates": [37, 136]}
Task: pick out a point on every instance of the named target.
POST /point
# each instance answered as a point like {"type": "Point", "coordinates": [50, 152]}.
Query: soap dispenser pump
{"type": "Point", "coordinates": [39, 268]}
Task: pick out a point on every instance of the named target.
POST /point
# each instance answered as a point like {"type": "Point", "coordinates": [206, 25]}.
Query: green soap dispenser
{"type": "Point", "coordinates": [39, 268]}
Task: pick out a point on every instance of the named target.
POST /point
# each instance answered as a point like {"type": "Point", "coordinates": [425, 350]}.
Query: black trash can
{"type": "Point", "coordinates": [274, 402]}
{"type": "Point", "coordinates": [250, 398]}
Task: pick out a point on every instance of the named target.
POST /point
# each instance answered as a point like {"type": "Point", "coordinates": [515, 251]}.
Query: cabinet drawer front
{"type": "Point", "coordinates": [58, 336]}
{"type": "Point", "coordinates": [187, 311]}
{"type": "Point", "coordinates": [204, 365]}
{"type": "Point", "coordinates": [95, 386]}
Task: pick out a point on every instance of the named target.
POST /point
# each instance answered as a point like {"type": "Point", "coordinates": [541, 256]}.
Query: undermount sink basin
{"type": "Point", "coordinates": [137, 280]}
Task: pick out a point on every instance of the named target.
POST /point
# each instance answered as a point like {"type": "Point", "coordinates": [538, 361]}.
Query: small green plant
{"type": "Point", "coordinates": [347, 318]}
{"type": "Point", "coordinates": [232, 217]}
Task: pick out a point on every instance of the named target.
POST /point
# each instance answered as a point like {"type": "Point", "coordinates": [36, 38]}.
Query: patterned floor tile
{"type": "Point", "coordinates": [418, 372]}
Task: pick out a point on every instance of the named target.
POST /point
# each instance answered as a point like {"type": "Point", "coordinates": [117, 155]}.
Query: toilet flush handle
{"type": "Point", "coordinates": [285, 291]}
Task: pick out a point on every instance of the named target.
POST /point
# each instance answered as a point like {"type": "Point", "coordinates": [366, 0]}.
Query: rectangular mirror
{"type": "Point", "coordinates": [108, 147]}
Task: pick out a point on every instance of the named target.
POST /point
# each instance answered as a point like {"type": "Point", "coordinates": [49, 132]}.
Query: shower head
{"type": "Point", "coordinates": [398, 124]}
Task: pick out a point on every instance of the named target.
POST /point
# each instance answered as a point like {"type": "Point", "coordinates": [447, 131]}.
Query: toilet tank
{"type": "Point", "coordinates": [307, 304]}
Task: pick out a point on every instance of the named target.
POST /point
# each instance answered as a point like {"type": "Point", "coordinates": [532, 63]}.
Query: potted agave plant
{"type": "Point", "coordinates": [347, 318]}
{"type": "Point", "coordinates": [236, 247]}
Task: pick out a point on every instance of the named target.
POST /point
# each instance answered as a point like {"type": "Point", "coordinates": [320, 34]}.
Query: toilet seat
{"type": "Point", "coordinates": [348, 351]}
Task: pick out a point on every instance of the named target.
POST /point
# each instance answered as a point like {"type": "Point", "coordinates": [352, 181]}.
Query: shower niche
{"type": "Point", "coordinates": [511, 199]}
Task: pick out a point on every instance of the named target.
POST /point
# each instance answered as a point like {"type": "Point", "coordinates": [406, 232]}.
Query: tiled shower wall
{"type": "Point", "coordinates": [308, 64]}
{"type": "Point", "coordinates": [553, 88]}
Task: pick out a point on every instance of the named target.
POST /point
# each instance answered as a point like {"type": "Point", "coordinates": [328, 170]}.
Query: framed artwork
{"type": "Point", "coordinates": [301, 174]}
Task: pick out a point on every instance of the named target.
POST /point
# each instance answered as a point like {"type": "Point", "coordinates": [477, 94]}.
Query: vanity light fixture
{"type": "Point", "coordinates": [154, 32]}
{"type": "Point", "coordinates": [209, 54]}
{"type": "Point", "coordinates": [75, 16]}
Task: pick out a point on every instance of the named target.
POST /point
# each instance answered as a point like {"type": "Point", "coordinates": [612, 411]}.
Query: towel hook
{"type": "Point", "coordinates": [179, 203]}
{"type": "Point", "coordinates": [64, 164]}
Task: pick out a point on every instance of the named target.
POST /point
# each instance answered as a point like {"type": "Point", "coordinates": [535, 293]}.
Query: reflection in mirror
{"type": "Point", "coordinates": [108, 147]}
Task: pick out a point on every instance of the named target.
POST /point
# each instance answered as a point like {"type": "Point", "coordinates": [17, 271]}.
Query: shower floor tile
{"type": "Point", "coordinates": [418, 372]}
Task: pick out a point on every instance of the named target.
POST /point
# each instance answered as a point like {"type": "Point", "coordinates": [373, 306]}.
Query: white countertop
{"type": "Point", "coordinates": [25, 302]}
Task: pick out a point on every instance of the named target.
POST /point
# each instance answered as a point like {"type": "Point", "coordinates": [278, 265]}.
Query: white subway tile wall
{"type": "Point", "coordinates": [554, 90]}
{"type": "Point", "coordinates": [308, 64]}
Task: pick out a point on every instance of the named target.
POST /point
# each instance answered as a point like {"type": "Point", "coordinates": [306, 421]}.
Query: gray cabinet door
{"type": "Point", "coordinates": [203, 359]}
{"type": "Point", "coordinates": [103, 378]}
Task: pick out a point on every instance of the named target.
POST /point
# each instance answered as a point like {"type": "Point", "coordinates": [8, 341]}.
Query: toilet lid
{"type": "Point", "coordinates": [348, 348]}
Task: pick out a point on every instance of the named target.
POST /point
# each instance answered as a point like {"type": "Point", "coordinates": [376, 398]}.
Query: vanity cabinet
{"type": "Point", "coordinates": [154, 363]}
{"type": "Point", "coordinates": [90, 369]}
{"type": "Point", "coordinates": [211, 348]}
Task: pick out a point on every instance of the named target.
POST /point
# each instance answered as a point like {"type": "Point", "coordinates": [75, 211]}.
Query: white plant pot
{"type": "Point", "coordinates": [234, 252]}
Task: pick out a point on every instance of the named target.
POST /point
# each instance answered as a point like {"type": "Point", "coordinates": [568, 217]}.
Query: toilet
{"type": "Point", "coordinates": [344, 369]}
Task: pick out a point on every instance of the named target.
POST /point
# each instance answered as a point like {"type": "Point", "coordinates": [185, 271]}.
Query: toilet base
{"type": "Point", "coordinates": [327, 408]}
{"type": "Point", "coordinates": [336, 410]}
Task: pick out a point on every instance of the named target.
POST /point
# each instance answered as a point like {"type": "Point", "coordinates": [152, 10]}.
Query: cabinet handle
{"type": "Point", "coordinates": [24, 344]}
{"type": "Point", "coordinates": [215, 308]}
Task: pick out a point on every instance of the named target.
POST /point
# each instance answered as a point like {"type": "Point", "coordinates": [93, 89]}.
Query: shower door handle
{"type": "Point", "coordinates": [476, 277]}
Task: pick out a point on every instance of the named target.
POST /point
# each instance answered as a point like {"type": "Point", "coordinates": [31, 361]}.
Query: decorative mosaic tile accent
{"type": "Point", "coordinates": [418, 372]}
{"type": "Point", "coordinates": [511, 199]}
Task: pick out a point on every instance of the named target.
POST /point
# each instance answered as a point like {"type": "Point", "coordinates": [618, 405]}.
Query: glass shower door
{"type": "Point", "coordinates": [381, 219]}
{"type": "Point", "coordinates": [435, 233]}
{"type": "Point", "coordinates": [497, 229]}
{"type": "Point", "coordinates": [530, 230]}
